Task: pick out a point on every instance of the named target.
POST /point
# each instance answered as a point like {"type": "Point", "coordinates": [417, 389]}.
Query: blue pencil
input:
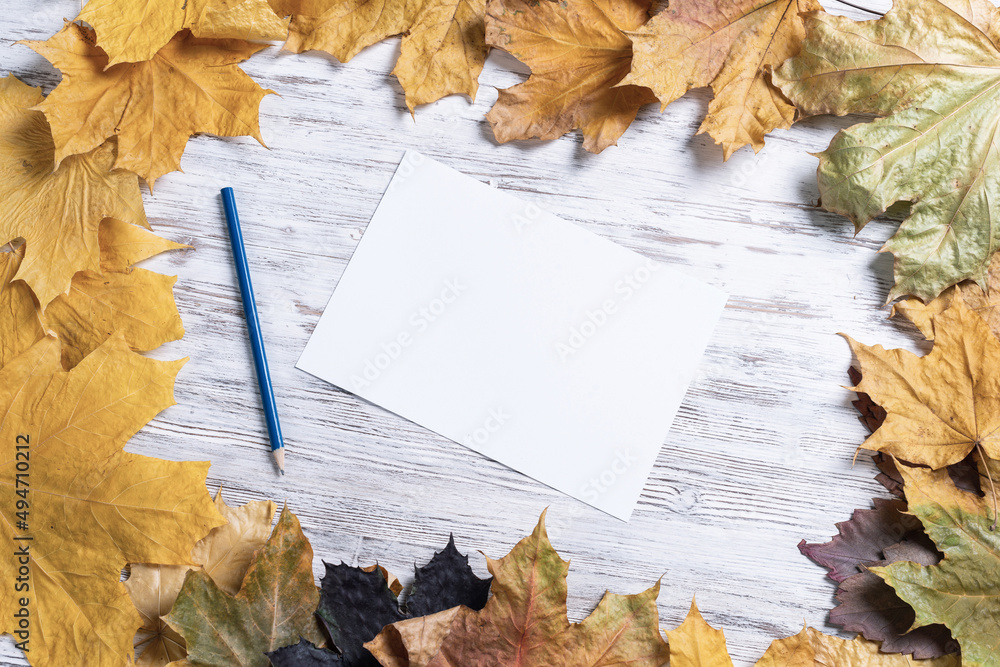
{"type": "Point", "coordinates": [253, 326]}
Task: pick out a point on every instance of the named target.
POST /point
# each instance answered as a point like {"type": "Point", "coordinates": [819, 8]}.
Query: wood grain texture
{"type": "Point", "coordinates": [759, 455]}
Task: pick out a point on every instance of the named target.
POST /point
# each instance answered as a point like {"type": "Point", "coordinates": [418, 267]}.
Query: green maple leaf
{"type": "Point", "coordinates": [273, 608]}
{"type": "Point", "coordinates": [963, 590]}
{"type": "Point", "coordinates": [931, 68]}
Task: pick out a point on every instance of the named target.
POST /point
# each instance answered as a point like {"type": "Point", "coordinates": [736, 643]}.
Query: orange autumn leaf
{"type": "Point", "coordinates": [87, 507]}
{"type": "Point", "coordinates": [442, 52]}
{"type": "Point", "coordinates": [190, 86]}
{"type": "Point", "coordinates": [55, 209]}
{"type": "Point", "coordinates": [732, 46]}
{"type": "Point", "coordinates": [578, 53]}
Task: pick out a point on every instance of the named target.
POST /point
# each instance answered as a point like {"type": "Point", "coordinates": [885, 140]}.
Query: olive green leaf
{"type": "Point", "coordinates": [273, 608]}
{"type": "Point", "coordinates": [963, 590]}
{"type": "Point", "coordinates": [931, 68]}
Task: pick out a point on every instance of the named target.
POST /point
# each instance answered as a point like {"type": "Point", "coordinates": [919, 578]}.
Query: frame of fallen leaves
{"type": "Point", "coordinates": [214, 585]}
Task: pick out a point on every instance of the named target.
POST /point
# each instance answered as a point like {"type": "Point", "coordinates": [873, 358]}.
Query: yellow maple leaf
{"type": "Point", "coordinates": [578, 54]}
{"type": "Point", "coordinates": [731, 45]}
{"type": "Point", "coordinates": [191, 85]}
{"type": "Point", "coordinates": [443, 47]}
{"type": "Point", "coordinates": [697, 644]}
{"type": "Point", "coordinates": [135, 31]}
{"type": "Point", "coordinates": [56, 211]}
{"type": "Point", "coordinates": [940, 406]}
{"type": "Point", "coordinates": [77, 507]}
{"type": "Point", "coordinates": [224, 554]}
{"type": "Point", "coordinates": [985, 302]}
{"type": "Point", "coordinates": [137, 303]}
{"type": "Point", "coordinates": [811, 648]}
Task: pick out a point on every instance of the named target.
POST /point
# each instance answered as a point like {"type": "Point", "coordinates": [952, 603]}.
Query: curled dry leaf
{"type": "Point", "coordinates": [274, 606]}
{"type": "Point", "coordinates": [941, 406]}
{"type": "Point", "coordinates": [695, 643]}
{"type": "Point", "coordinates": [224, 554]}
{"type": "Point", "coordinates": [443, 48]}
{"type": "Point", "coordinates": [963, 590]}
{"type": "Point", "coordinates": [57, 211]}
{"type": "Point", "coordinates": [578, 53]}
{"type": "Point", "coordinates": [413, 642]}
{"type": "Point", "coordinates": [134, 31]}
{"type": "Point", "coordinates": [932, 69]}
{"type": "Point", "coordinates": [92, 506]}
{"type": "Point", "coordinates": [141, 103]}
{"type": "Point", "coordinates": [731, 46]}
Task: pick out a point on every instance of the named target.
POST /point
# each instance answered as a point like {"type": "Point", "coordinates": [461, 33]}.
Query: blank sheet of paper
{"type": "Point", "coordinates": [517, 334]}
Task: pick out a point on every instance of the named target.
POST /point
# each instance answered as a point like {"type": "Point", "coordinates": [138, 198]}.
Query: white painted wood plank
{"type": "Point", "coordinates": [760, 454]}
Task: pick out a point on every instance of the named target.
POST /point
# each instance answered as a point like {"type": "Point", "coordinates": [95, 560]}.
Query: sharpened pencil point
{"type": "Point", "coordinates": [279, 458]}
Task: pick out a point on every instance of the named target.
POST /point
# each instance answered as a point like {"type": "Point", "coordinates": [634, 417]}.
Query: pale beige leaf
{"type": "Point", "coordinates": [413, 642]}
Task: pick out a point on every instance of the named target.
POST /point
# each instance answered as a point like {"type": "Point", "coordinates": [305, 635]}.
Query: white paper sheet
{"type": "Point", "coordinates": [522, 336]}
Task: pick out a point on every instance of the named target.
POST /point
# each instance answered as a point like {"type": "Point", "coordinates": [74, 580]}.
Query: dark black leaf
{"type": "Point", "coordinates": [445, 582]}
{"type": "Point", "coordinates": [356, 605]}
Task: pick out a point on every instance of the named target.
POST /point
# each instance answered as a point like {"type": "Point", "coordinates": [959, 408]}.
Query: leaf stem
{"type": "Point", "coordinates": [986, 467]}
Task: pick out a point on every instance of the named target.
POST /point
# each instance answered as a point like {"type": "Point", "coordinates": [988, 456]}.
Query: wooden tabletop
{"type": "Point", "coordinates": [760, 455]}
